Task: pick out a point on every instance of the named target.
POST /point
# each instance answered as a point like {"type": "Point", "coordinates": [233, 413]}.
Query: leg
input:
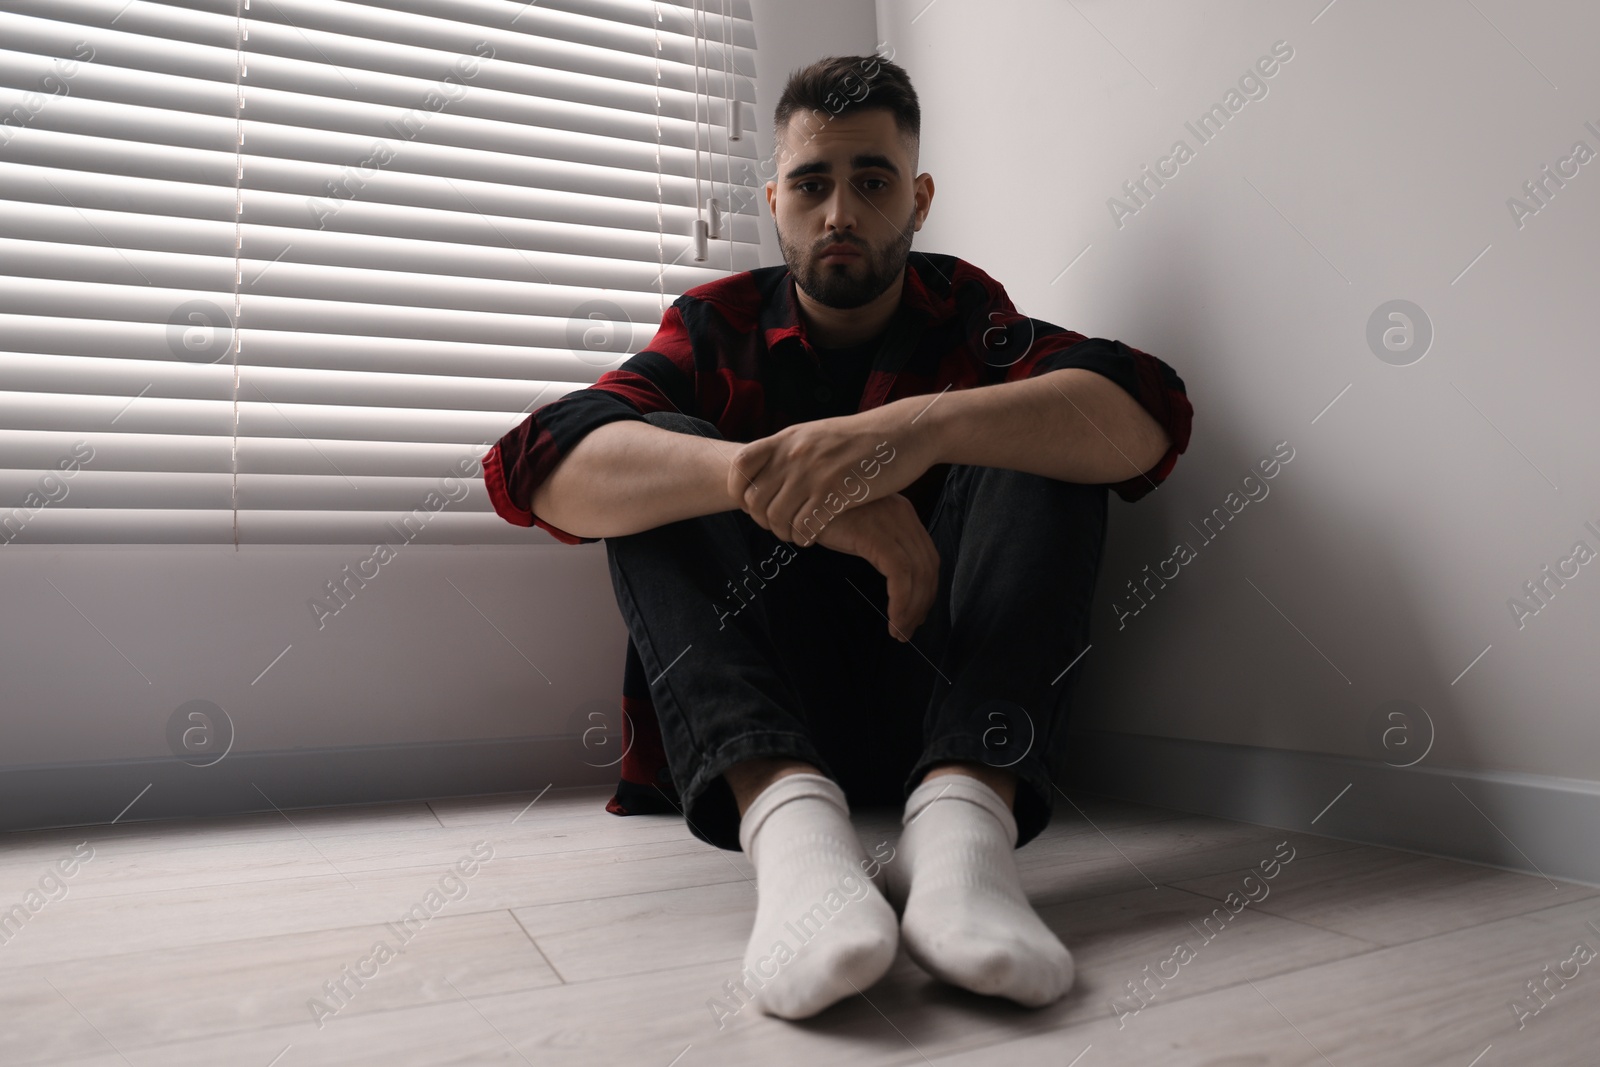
{"type": "Point", "coordinates": [700, 598]}
{"type": "Point", "coordinates": [1003, 782]}
{"type": "Point", "coordinates": [869, 742]}
{"type": "Point", "coordinates": [1020, 553]}
{"type": "Point", "coordinates": [728, 623]}
{"type": "Point", "coordinates": [749, 779]}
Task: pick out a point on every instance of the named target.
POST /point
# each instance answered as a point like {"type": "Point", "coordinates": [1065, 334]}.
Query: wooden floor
{"type": "Point", "coordinates": [590, 939]}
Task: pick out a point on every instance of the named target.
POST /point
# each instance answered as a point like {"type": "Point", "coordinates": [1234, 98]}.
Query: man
{"type": "Point", "coordinates": [793, 479]}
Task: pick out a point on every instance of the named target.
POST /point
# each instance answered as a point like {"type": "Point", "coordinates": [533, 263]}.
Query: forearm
{"type": "Point", "coordinates": [1072, 424]}
{"type": "Point", "coordinates": [628, 476]}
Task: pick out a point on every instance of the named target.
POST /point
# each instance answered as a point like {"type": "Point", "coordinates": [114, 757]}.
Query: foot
{"type": "Point", "coordinates": [966, 919]}
{"type": "Point", "coordinates": [823, 931]}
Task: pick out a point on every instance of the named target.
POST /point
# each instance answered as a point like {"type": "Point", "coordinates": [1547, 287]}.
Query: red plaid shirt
{"type": "Point", "coordinates": [734, 352]}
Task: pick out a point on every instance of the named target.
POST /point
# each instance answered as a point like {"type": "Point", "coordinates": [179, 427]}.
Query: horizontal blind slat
{"type": "Point", "coordinates": [193, 323]}
{"type": "Point", "coordinates": [675, 14]}
{"type": "Point", "coordinates": [284, 192]}
{"type": "Point", "coordinates": [91, 376]}
{"type": "Point", "coordinates": [46, 450]}
{"type": "Point", "coordinates": [147, 343]}
{"type": "Point", "coordinates": [283, 262]}
{"type": "Point", "coordinates": [205, 527]}
{"type": "Point", "coordinates": [608, 139]}
{"type": "Point", "coordinates": [259, 415]}
{"type": "Point", "coordinates": [90, 486]}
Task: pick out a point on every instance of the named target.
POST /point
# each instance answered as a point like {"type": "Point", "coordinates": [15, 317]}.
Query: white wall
{"type": "Point", "coordinates": [458, 669]}
{"type": "Point", "coordinates": [1377, 167]}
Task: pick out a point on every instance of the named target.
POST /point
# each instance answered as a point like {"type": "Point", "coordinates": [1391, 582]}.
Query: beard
{"type": "Point", "coordinates": [849, 283]}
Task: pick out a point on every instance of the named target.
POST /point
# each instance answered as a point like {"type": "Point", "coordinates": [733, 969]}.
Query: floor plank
{"type": "Point", "coordinates": [28, 849]}
{"type": "Point", "coordinates": [82, 927]}
{"type": "Point", "coordinates": [1390, 897]}
{"type": "Point", "coordinates": [140, 999]}
{"type": "Point", "coordinates": [1072, 864]}
{"type": "Point", "coordinates": [1439, 1001]}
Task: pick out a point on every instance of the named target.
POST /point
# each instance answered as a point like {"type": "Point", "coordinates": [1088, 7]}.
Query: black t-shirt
{"type": "Point", "coordinates": [846, 370]}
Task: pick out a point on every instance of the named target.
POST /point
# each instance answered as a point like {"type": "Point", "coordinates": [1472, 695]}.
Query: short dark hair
{"type": "Point", "coordinates": [840, 85]}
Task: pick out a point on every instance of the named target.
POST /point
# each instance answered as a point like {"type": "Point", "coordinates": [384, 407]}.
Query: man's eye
{"type": "Point", "coordinates": [806, 187]}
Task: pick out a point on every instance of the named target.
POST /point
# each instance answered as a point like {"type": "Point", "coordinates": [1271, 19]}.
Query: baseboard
{"type": "Point", "coordinates": [1534, 824]}
{"type": "Point", "coordinates": [85, 794]}
{"type": "Point", "coordinates": [1529, 823]}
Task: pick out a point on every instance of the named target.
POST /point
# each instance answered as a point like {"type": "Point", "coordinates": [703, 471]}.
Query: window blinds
{"type": "Point", "coordinates": [280, 272]}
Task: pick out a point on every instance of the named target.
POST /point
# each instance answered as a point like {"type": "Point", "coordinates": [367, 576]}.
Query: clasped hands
{"type": "Point", "coordinates": [836, 482]}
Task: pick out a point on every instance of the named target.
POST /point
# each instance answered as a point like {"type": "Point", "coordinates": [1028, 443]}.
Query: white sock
{"type": "Point", "coordinates": [823, 931]}
{"type": "Point", "coordinates": [966, 919]}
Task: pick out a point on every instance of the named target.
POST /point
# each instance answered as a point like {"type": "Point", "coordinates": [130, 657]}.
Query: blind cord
{"type": "Point", "coordinates": [661, 225]}
{"type": "Point", "coordinates": [240, 7]}
{"type": "Point", "coordinates": [726, 222]}
{"type": "Point", "coordinates": [697, 26]}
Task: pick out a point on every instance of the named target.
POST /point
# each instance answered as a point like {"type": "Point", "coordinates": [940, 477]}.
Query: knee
{"type": "Point", "coordinates": [1019, 502]}
{"type": "Point", "coordinates": [1026, 488]}
{"type": "Point", "coordinates": [678, 422]}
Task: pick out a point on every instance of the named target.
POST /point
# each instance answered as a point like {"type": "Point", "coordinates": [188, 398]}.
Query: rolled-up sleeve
{"type": "Point", "coordinates": [1151, 382]}
{"type": "Point", "coordinates": [660, 377]}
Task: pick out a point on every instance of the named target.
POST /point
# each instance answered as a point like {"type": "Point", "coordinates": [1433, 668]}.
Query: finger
{"type": "Point", "coordinates": [754, 501]}
{"type": "Point", "coordinates": [756, 514]}
{"type": "Point", "coordinates": [915, 606]}
{"type": "Point", "coordinates": [804, 534]}
{"type": "Point", "coordinates": [782, 525]}
{"type": "Point", "coordinates": [789, 515]}
{"type": "Point", "coordinates": [931, 573]}
{"type": "Point", "coordinates": [738, 478]}
{"type": "Point", "coordinates": [928, 588]}
{"type": "Point", "coordinates": [922, 587]}
{"type": "Point", "coordinates": [747, 465]}
{"type": "Point", "coordinates": [900, 588]}
{"type": "Point", "coordinates": [922, 563]}
{"type": "Point", "coordinates": [755, 455]}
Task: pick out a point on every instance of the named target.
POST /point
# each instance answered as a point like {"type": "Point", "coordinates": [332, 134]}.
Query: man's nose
{"type": "Point", "coordinates": [842, 213]}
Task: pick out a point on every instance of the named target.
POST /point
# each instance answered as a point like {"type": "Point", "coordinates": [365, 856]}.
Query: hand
{"type": "Point", "coordinates": [887, 533]}
{"type": "Point", "coordinates": [802, 477]}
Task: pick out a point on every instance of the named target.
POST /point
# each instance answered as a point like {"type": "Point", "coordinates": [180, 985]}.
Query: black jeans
{"type": "Point", "coordinates": [760, 648]}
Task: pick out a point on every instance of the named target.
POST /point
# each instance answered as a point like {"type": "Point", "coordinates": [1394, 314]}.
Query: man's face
{"type": "Point", "coordinates": [846, 179]}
